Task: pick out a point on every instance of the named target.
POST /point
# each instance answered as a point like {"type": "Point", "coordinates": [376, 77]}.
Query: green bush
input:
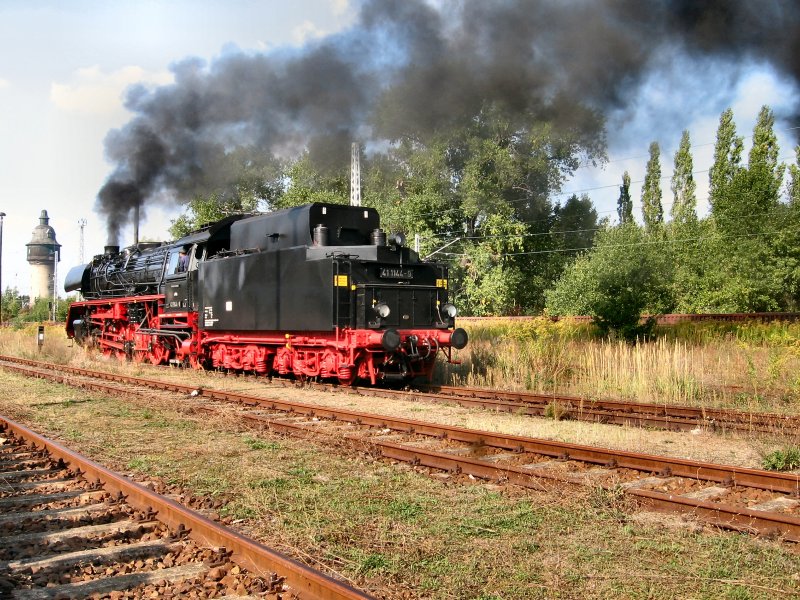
{"type": "Point", "coordinates": [782, 460]}
{"type": "Point", "coordinates": [628, 273]}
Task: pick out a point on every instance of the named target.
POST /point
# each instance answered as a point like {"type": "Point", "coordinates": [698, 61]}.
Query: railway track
{"type": "Point", "coordinates": [69, 528]}
{"type": "Point", "coordinates": [661, 416]}
{"type": "Point", "coordinates": [666, 319]}
{"type": "Point", "coordinates": [563, 407]}
{"type": "Point", "coordinates": [742, 499]}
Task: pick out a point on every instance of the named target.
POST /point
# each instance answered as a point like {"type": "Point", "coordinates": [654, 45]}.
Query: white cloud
{"type": "Point", "coordinates": [92, 91]}
{"type": "Point", "coordinates": [339, 7]}
{"type": "Point", "coordinates": [4, 83]}
{"type": "Point", "coordinates": [306, 31]}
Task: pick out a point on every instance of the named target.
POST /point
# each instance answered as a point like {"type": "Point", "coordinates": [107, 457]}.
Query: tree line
{"type": "Point", "coordinates": [483, 197]}
{"type": "Point", "coordinates": [17, 309]}
{"type": "Point", "coordinates": [742, 256]}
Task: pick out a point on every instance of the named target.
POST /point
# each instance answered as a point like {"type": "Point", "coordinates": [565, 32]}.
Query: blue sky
{"type": "Point", "coordinates": [63, 69]}
{"type": "Point", "coordinates": [65, 65]}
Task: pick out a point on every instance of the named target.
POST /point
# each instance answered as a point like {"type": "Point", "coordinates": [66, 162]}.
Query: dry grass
{"type": "Point", "coordinates": [738, 450]}
{"type": "Point", "coordinates": [752, 368]}
{"type": "Point", "coordinates": [399, 533]}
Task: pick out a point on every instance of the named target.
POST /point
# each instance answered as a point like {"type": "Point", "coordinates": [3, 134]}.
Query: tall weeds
{"type": "Point", "coordinates": [750, 365]}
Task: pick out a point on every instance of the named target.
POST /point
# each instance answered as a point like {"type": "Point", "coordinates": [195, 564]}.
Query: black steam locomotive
{"type": "Point", "coordinates": [315, 291]}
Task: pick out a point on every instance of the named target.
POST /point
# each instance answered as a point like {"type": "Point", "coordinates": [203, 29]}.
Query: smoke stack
{"type": "Point", "coordinates": [136, 225]}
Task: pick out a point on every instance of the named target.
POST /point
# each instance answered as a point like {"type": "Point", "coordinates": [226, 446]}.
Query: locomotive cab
{"type": "Point", "coordinates": [180, 279]}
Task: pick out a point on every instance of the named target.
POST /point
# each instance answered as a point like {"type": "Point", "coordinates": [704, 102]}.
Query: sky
{"type": "Point", "coordinates": [64, 68]}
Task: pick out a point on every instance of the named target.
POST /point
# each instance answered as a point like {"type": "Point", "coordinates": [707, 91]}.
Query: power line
{"type": "Point", "coordinates": [444, 236]}
{"type": "Point", "coordinates": [633, 245]}
{"type": "Point", "coordinates": [567, 193]}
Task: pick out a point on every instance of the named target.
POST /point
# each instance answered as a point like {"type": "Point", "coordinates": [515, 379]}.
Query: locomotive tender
{"type": "Point", "coordinates": [313, 291]}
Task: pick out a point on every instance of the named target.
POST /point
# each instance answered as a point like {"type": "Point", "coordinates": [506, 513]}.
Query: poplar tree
{"type": "Point", "coordinates": [794, 179]}
{"type": "Point", "coordinates": [766, 174]}
{"type": "Point", "coordinates": [683, 185]}
{"type": "Point", "coordinates": [788, 242]}
{"type": "Point", "coordinates": [749, 250]}
{"type": "Point", "coordinates": [624, 202]}
{"type": "Point", "coordinates": [652, 211]}
{"type": "Point", "coordinates": [727, 159]}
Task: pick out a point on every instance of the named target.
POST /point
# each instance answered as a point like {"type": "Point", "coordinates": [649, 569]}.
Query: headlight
{"type": "Point", "coordinates": [449, 310]}
{"type": "Point", "coordinates": [382, 309]}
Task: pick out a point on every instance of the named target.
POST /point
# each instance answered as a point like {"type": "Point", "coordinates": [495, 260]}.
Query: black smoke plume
{"type": "Point", "coordinates": [411, 68]}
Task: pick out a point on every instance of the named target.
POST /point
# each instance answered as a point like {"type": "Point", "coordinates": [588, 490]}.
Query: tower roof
{"type": "Point", "coordinates": [43, 244]}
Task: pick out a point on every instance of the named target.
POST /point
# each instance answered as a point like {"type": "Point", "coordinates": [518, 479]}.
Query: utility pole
{"type": "Point", "coordinates": [355, 175]}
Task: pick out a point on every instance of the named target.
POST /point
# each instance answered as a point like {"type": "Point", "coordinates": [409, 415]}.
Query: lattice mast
{"type": "Point", "coordinates": [82, 224]}
{"type": "Point", "coordinates": [355, 175]}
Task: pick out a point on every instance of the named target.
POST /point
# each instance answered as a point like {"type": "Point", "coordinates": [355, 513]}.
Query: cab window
{"type": "Point", "coordinates": [173, 266]}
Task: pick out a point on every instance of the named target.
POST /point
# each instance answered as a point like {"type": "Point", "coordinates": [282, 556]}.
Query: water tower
{"type": "Point", "coordinates": [43, 254]}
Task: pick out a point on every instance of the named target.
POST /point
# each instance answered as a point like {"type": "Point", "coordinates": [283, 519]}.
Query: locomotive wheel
{"type": "Point", "coordinates": [348, 376]}
{"type": "Point", "coordinates": [199, 362]}
{"type": "Point", "coordinates": [158, 354]}
{"type": "Point", "coordinates": [347, 381]}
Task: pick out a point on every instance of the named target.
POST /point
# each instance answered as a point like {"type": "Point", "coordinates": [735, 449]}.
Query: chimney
{"type": "Point", "coordinates": [136, 225]}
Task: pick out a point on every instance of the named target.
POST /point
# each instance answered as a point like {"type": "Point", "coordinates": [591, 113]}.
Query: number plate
{"type": "Point", "coordinates": [396, 273]}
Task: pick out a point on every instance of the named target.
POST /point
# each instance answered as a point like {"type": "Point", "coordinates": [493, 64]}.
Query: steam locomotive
{"type": "Point", "coordinates": [315, 291]}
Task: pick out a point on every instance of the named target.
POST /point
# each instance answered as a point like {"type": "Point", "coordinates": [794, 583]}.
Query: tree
{"type": "Point", "coordinates": [12, 304]}
{"type": "Point", "coordinates": [727, 158]}
{"type": "Point", "coordinates": [683, 185]}
{"type": "Point", "coordinates": [652, 210]}
{"type": "Point", "coordinates": [306, 182]}
{"type": "Point", "coordinates": [794, 179]}
{"type": "Point", "coordinates": [574, 224]}
{"type": "Point", "coordinates": [766, 173]}
{"type": "Point", "coordinates": [747, 217]}
{"type": "Point", "coordinates": [484, 188]}
{"type": "Point", "coordinates": [787, 241]}
{"type": "Point", "coordinates": [625, 203]}
{"type": "Point", "coordinates": [492, 279]}
{"type": "Point", "coordinates": [627, 273]}
{"type": "Point", "coordinates": [204, 210]}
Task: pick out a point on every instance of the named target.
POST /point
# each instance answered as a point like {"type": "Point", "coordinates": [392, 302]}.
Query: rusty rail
{"type": "Point", "coordinates": [259, 559]}
{"type": "Point", "coordinates": [674, 417]}
{"type": "Point", "coordinates": [662, 416]}
{"type": "Point", "coordinates": [666, 319]}
{"type": "Point", "coordinates": [723, 477]}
